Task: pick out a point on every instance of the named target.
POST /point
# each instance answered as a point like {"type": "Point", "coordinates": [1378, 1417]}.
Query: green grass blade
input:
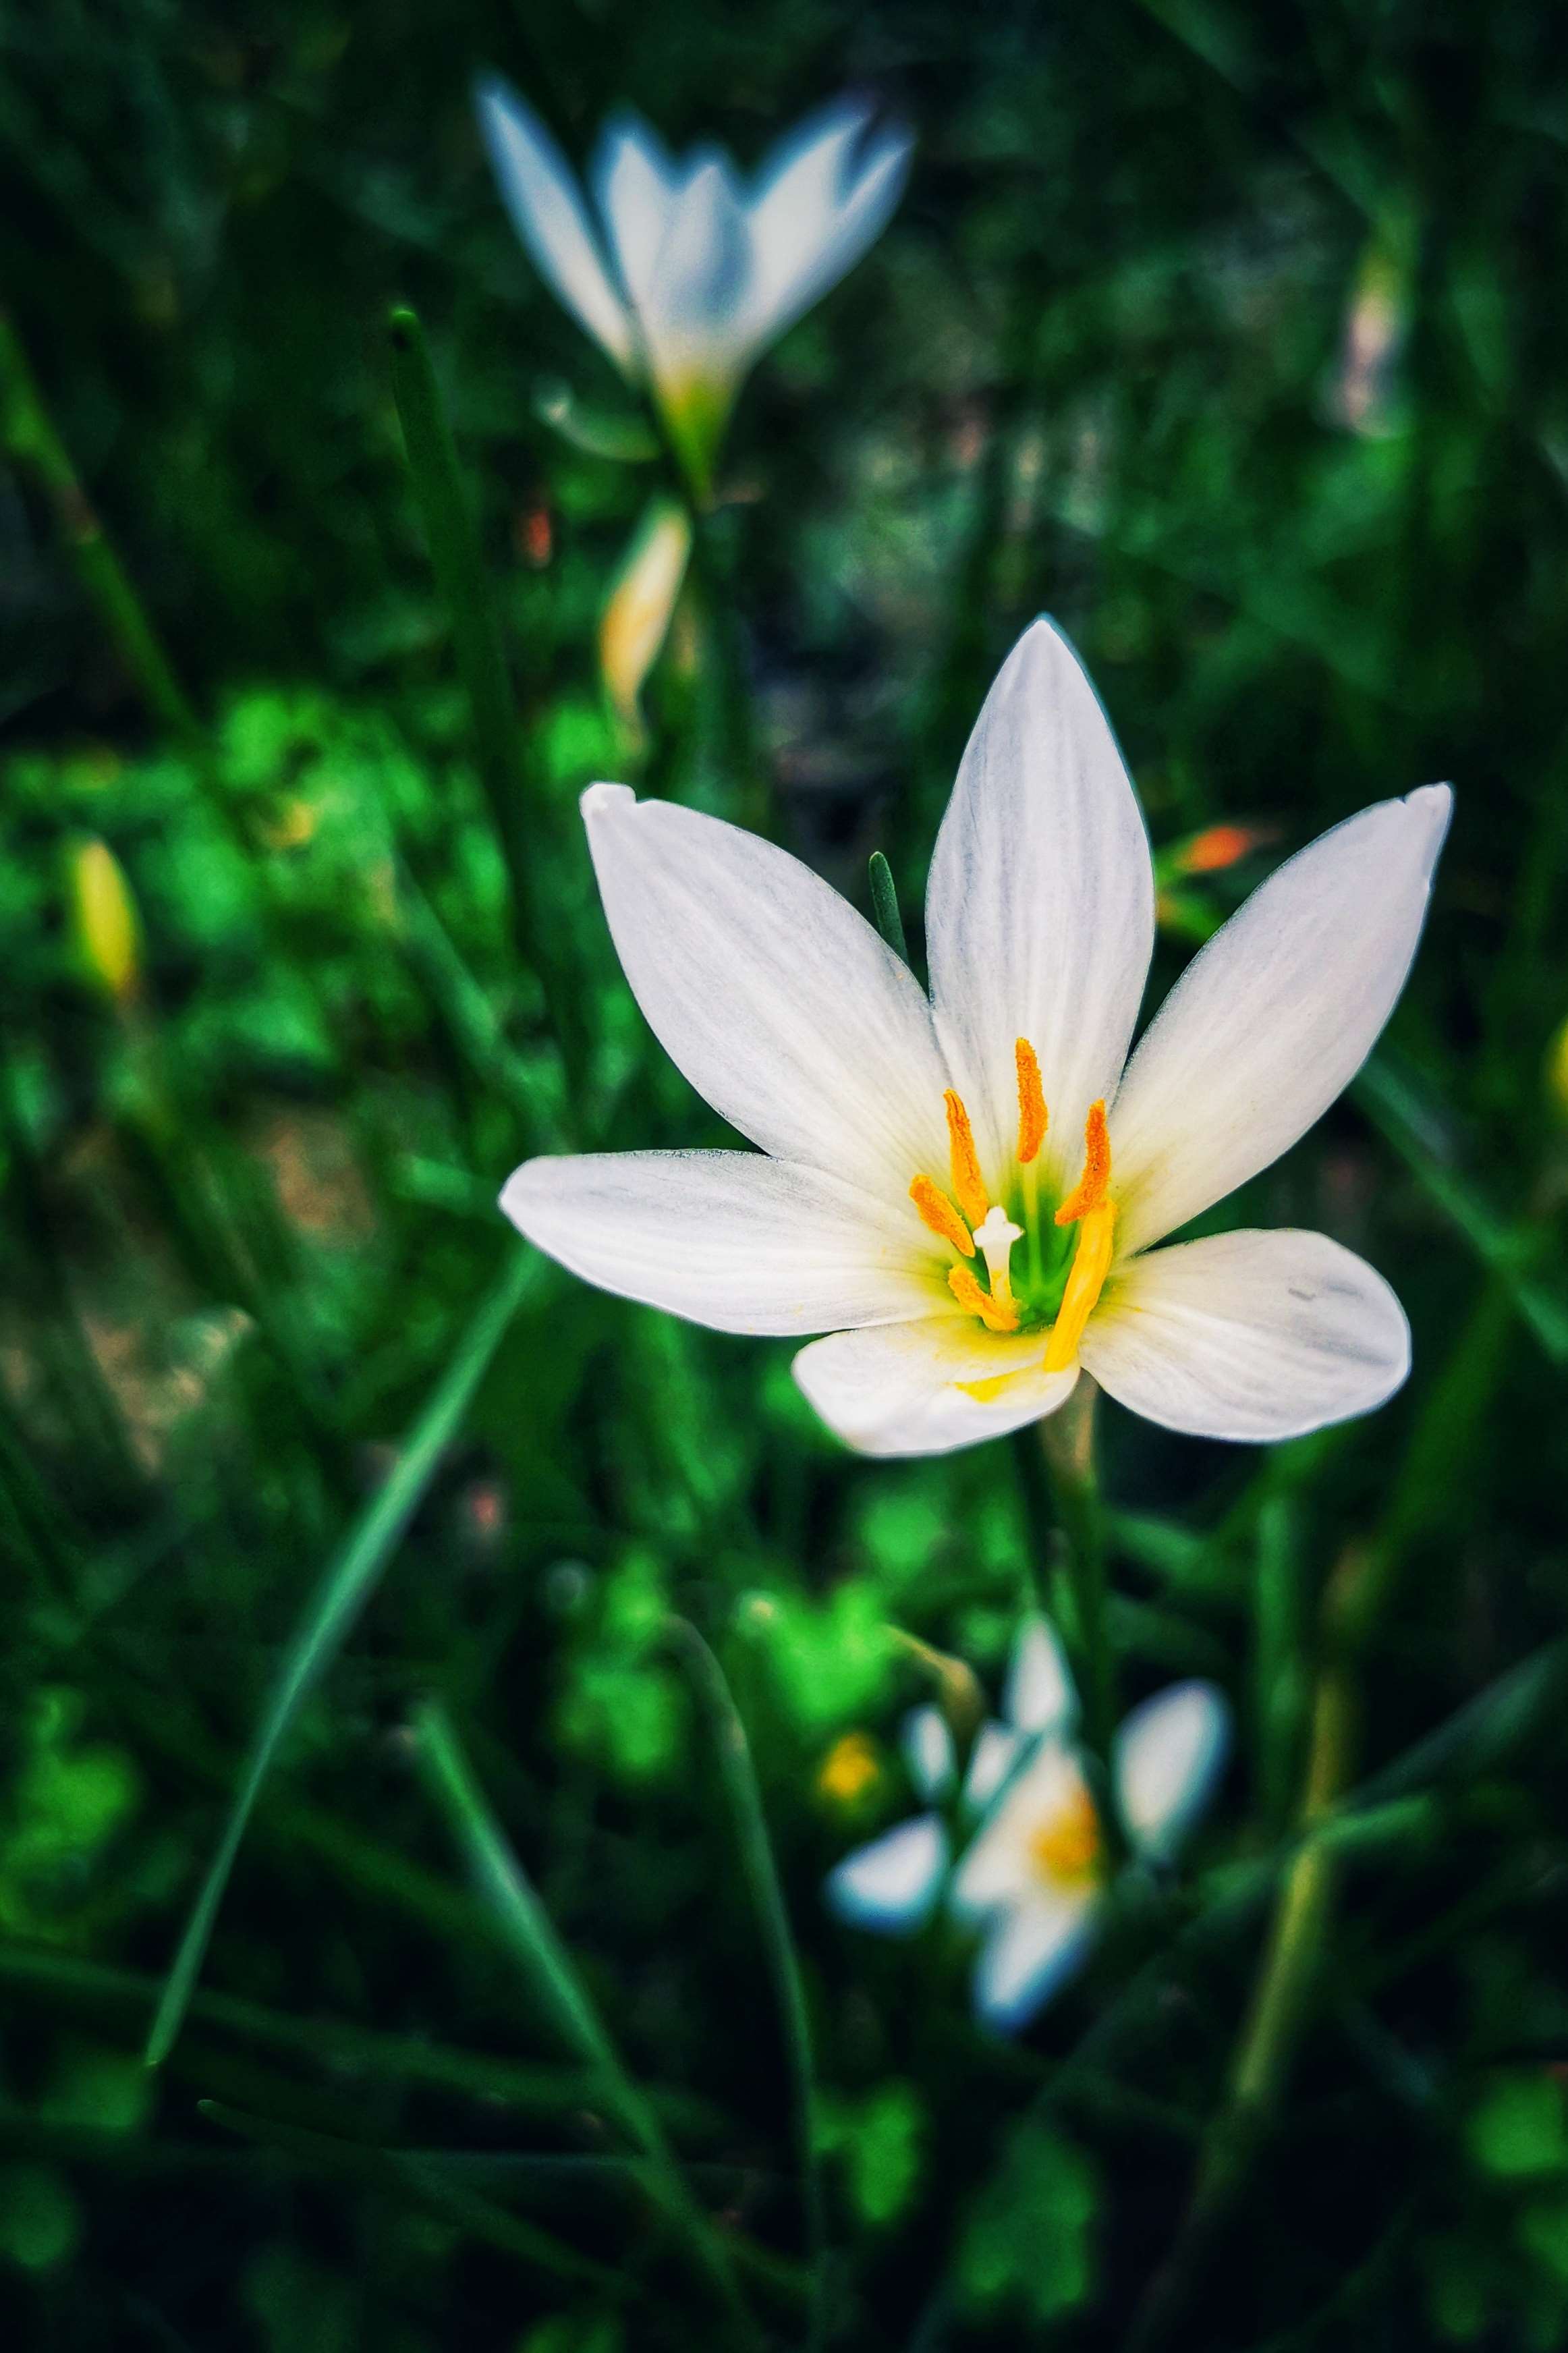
{"type": "Point", "coordinates": [548, 1968]}
{"type": "Point", "coordinates": [738, 1775]}
{"type": "Point", "coordinates": [885, 905]}
{"type": "Point", "coordinates": [337, 1601]}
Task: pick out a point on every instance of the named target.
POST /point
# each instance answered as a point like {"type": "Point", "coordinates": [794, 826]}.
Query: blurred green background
{"type": "Point", "coordinates": [1237, 340]}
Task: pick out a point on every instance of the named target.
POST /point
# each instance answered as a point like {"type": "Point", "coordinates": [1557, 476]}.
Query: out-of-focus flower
{"type": "Point", "coordinates": [1211, 851]}
{"type": "Point", "coordinates": [1035, 1877]}
{"type": "Point", "coordinates": [1366, 390]}
{"type": "Point", "coordinates": [1557, 1071]}
{"type": "Point", "coordinates": [641, 603]}
{"type": "Point", "coordinates": [682, 271]}
{"type": "Point", "coordinates": [964, 1190]}
{"type": "Point", "coordinates": [104, 921]}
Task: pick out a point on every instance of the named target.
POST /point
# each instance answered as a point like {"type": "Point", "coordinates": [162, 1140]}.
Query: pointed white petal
{"type": "Point", "coordinates": [780, 1003]}
{"type": "Point", "coordinates": [1039, 1695]}
{"type": "Point", "coordinates": [892, 1884]}
{"type": "Point", "coordinates": [1031, 1951]}
{"type": "Point", "coordinates": [634, 183]}
{"type": "Point", "coordinates": [1274, 1018]}
{"type": "Point", "coordinates": [1040, 907]}
{"type": "Point", "coordinates": [727, 1239]}
{"type": "Point", "coordinates": [1249, 1336]}
{"type": "Point", "coordinates": [895, 1392]}
{"type": "Point", "coordinates": [926, 1744]}
{"type": "Point", "coordinates": [824, 196]}
{"type": "Point", "coordinates": [999, 1869]}
{"type": "Point", "coordinates": [997, 1748]}
{"type": "Point", "coordinates": [694, 314]}
{"type": "Point", "coordinates": [1168, 1758]}
{"type": "Point", "coordinates": [549, 215]}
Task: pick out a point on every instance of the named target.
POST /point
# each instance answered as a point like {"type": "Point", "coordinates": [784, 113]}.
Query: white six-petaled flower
{"type": "Point", "coordinates": [1035, 1878]}
{"type": "Point", "coordinates": [964, 1189]}
{"type": "Point", "coordinates": [681, 270]}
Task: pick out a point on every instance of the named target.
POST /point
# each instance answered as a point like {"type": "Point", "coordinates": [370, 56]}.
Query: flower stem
{"type": "Point", "coordinates": [1067, 1439]}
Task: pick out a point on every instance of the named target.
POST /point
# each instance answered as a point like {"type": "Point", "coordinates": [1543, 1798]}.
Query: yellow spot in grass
{"type": "Point", "coordinates": [848, 1769]}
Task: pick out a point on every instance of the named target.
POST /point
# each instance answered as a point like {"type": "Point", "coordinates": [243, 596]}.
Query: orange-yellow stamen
{"type": "Point", "coordinates": [940, 1215]}
{"type": "Point", "coordinates": [968, 1184]}
{"type": "Point", "coordinates": [1089, 1193]}
{"type": "Point", "coordinates": [1033, 1115]}
{"type": "Point", "coordinates": [1068, 1846]}
{"type": "Point", "coordinates": [1085, 1280]}
{"type": "Point", "coordinates": [996, 1315]}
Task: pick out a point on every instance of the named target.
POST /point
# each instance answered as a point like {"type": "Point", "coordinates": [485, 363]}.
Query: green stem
{"type": "Point", "coordinates": [28, 435]}
{"type": "Point", "coordinates": [738, 1775]}
{"type": "Point", "coordinates": [1067, 1439]}
{"type": "Point", "coordinates": [548, 1968]}
{"type": "Point", "coordinates": [455, 558]}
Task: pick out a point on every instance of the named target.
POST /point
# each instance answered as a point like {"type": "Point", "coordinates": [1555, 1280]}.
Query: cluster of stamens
{"type": "Point", "coordinates": [970, 1222]}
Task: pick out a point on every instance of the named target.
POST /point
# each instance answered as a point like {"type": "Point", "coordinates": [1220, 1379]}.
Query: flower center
{"type": "Point", "coordinates": [1066, 1850]}
{"type": "Point", "coordinates": [1058, 1286]}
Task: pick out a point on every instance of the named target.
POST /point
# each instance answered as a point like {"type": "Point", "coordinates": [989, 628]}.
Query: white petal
{"type": "Point", "coordinates": [694, 315]}
{"type": "Point", "coordinates": [892, 1884]}
{"type": "Point", "coordinates": [997, 1748]}
{"type": "Point", "coordinates": [1030, 1952]}
{"type": "Point", "coordinates": [549, 215]}
{"type": "Point", "coordinates": [727, 1239]}
{"type": "Point", "coordinates": [1040, 907]}
{"type": "Point", "coordinates": [1168, 1758]}
{"type": "Point", "coordinates": [1274, 1018]}
{"type": "Point", "coordinates": [893, 1391]}
{"type": "Point", "coordinates": [824, 196]}
{"type": "Point", "coordinates": [634, 183]}
{"type": "Point", "coordinates": [999, 1869]}
{"type": "Point", "coordinates": [1249, 1336]}
{"type": "Point", "coordinates": [1039, 1695]}
{"type": "Point", "coordinates": [926, 1744]}
{"type": "Point", "coordinates": [779, 1002]}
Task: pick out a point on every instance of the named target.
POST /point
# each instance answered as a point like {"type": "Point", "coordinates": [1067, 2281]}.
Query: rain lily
{"type": "Point", "coordinates": [682, 271]}
{"type": "Point", "coordinates": [1035, 1877]}
{"type": "Point", "coordinates": [964, 1190]}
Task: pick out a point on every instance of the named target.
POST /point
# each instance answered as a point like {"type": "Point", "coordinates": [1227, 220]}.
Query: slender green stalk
{"type": "Point", "coordinates": [458, 567]}
{"type": "Point", "coordinates": [555, 1985]}
{"type": "Point", "coordinates": [738, 1775]}
{"type": "Point", "coordinates": [346, 1587]}
{"type": "Point", "coordinates": [1067, 1438]}
{"type": "Point", "coordinates": [28, 435]}
{"type": "Point", "coordinates": [885, 905]}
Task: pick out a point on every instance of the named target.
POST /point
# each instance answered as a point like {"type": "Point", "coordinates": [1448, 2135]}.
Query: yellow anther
{"type": "Point", "coordinates": [967, 1182]}
{"type": "Point", "coordinates": [996, 1315]}
{"type": "Point", "coordinates": [1032, 1116]}
{"type": "Point", "coordinates": [940, 1215]}
{"type": "Point", "coordinates": [1089, 1193]}
{"type": "Point", "coordinates": [1066, 1848]}
{"type": "Point", "coordinates": [1090, 1265]}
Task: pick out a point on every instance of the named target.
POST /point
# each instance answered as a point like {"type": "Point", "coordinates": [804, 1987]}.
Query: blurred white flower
{"type": "Point", "coordinates": [1036, 1874]}
{"type": "Point", "coordinates": [640, 606]}
{"type": "Point", "coordinates": [676, 265]}
{"type": "Point", "coordinates": [1035, 1877]}
{"type": "Point", "coordinates": [942, 1186]}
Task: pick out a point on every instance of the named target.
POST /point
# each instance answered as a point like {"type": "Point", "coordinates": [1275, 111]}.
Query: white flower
{"type": "Point", "coordinates": [1036, 1874]}
{"type": "Point", "coordinates": [678, 268]}
{"type": "Point", "coordinates": [892, 1127]}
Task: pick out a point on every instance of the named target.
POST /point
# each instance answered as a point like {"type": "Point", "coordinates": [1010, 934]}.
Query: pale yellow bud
{"type": "Point", "coordinates": [638, 616]}
{"type": "Point", "coordinates": [104, 921]}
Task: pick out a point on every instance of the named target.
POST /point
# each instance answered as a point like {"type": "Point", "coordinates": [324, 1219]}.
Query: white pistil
{"type": "Point", "coordinates": [995, 1238]}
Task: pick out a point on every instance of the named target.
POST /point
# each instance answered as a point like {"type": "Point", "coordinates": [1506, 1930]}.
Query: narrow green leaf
{"type": "Point", "coordinates": [548, 1970]}
{"type": "Point", "coordinates": [342, 1592]}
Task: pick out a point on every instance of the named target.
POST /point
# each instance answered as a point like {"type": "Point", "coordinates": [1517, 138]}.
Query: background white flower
{"type": "Point", "coordinates": [678, 268]}
{"type": "Point", "coordinates": [964, 1190]}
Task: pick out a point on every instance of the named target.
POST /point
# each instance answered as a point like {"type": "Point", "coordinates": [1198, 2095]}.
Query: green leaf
{"type": "Point", "coordinates": [1027, 2244]}
{"type": "Point", "coordinates": [1520, 2128]}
